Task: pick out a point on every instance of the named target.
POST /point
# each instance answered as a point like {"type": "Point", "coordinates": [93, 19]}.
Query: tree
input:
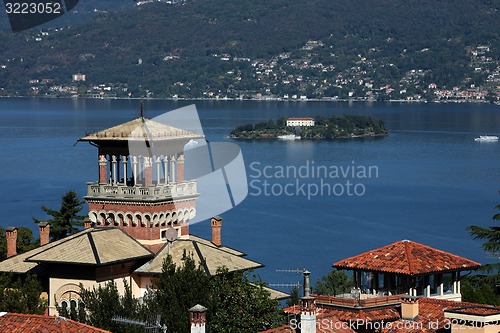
{"type": "Point", "coordinates": [104, 303]}
{"type": "Point", "coordinates": [25, 241]}
{"type": "Point", "coordinates": [21, 295]}
{"type": "Point", "coordinates": [334, 283]}
{"type": "Point", "coordinates": [490, 234]}
{"type": "Point", "coordinates": [481, 288]}
{"type": "Point", "coordinates": [176, 290]}
{"type": "Point", "coordinates": [3, 244]}
{"type": "Point", "coordinates": [239, 304]}
{"type": "Point", "coordinates": [294, 297]}
{"type": "Point", "coordinates": [64, 222]}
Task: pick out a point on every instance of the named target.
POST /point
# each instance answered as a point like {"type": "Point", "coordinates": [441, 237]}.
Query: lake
{"type": "Point", "coordinates": [429, 179]}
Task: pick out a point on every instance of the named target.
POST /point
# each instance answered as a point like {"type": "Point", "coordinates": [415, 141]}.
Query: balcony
{"type": "Point", "coordinates": [152, 193]}
{"type": "Point", "coordinates": [358, 300]}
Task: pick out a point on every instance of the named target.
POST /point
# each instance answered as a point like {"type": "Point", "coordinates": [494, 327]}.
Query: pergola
{"type": "Point", "coordinates": [407, 267]}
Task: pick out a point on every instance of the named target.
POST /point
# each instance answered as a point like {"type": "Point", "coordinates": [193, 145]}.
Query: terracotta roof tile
{"type": "Point", "coordinates": [407, 257]}
{"type": "Point", "coordinates": [478, 310]}
{"type": "Point", "coordinates": [324, 324]}
{"type": "Point", "coordinates": [29, 323]}
{"type": "Point", "coordinates": [430, 313]}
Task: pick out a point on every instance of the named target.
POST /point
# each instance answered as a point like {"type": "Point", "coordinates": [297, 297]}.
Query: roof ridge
{"type": "Point", "coordinates": [57, 243]}
{"type": "Point", "coordinates": [408, 254]}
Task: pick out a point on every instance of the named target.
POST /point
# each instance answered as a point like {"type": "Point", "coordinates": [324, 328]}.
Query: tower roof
{"type": "Point", "coordinates": [408, 258]}
{"type": "Point", "coordinates": [141, 129]}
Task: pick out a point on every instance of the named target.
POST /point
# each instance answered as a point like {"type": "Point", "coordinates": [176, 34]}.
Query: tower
{"type": "Point", "coordinates": [141, 187]}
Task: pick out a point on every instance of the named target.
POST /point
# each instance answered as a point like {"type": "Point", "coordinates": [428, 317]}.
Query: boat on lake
{"type": "Point", "coordinates": [487, 138]}
{"type": "Point", "coordinates": [288, 137]}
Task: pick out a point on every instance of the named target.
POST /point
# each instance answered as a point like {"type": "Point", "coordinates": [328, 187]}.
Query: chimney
{"type": "Point", "coordinates": [216, 223]}
{"type": "Point", "coordinates": [11, 235]}
{"type": "Point", "coordinates": [307, 308]}
{"type": "Point", "coordinates": [44, 228]}
{"type": "Point", "coordinates": [87, 223]}
{"type": "Point", "coordinates": [197, 318]}
{"type": "Point", "coordinates": [409, 307]}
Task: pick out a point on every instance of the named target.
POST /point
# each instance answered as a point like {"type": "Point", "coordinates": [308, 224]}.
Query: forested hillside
{"type": "Point", "coordinates": [207, 48]}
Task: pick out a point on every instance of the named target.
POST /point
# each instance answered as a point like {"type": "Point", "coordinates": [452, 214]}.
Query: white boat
{"type": "Point", "coordinates": [487, 138]}
{"type": "Point", "coordinates": [288, 137]}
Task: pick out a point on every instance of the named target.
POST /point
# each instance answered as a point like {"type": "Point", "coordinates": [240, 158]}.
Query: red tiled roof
{"type": "Point", "coordinates": [430, 316]}
{"type": "Point", "coordinates": [29, 323]}
{"type": "Point", "coordinates": [478, 310]}
{"type": "Point", "coordinates": [301, 118]}
{"type": "Point", "coordinates": [366, 315]}
{"type": "Point", "coordinates": [324, 324]}
{"type": "Point", "coordinates": [351, 314]}
{"type": "Point", "coordinates": [407, 257]}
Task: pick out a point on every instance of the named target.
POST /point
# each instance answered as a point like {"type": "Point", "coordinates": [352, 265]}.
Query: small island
{"type": "Point", "coordinates": [332, 127]}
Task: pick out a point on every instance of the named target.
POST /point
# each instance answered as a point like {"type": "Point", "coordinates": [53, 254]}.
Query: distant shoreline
{"type": "Point", "coordinates": [311, 100]}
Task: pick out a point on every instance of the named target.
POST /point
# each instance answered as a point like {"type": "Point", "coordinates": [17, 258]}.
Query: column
{"type": "Point", "coordinates": [458, 283]}
{"type": "Point", "coordinates": [158, 173]}
{"type": "Point", "coordinates": [113, 172]}
{"type": "Point", "coordinates": [441, 285]}
{"type": "Point", "coordinates": [454, 278]}
{"type": "Point", "coordinates": [134, 169]}
{"type": "Point", "coordinates": [165, 169]}
{"type": "Point", "coordinates": [172, 169]}
{"type": "Point", "coordinates": [124, 161]}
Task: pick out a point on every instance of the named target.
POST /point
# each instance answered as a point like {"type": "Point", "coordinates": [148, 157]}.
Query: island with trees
{"type": "Point", "coordinates": [331, 127]}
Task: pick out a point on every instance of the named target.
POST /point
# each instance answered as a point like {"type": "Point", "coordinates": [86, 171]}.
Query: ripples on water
{"type": "Point", "coordinates": [434, 179]}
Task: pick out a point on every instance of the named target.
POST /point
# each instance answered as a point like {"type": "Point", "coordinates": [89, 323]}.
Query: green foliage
{"type": "Point", "coordinates": [176, 290]}
{"type": "Point", "coordinates": [64, 221]}
{"type": "Point", "coordinates": [104, 303]}
{"type": "Point", "coordinates": [3, 244]}
{"type": "Point", "coordinates": [239, 304]}
{"type": "Point", "coordinates": [21, 295]}
{"type": "Point", "coordinates": [334, 283]}
{"type": "Point", "coordinates": [384, 31]}
{"type": "Point", "coordinates": [234, 302]}
{"type": "Point", "coordinates": [480, 289]}
{"type": "Point", "coordinates": [25, 241]}
{"type": "Point", "coordinates": [294, 297]}
{"type": "Point", "coordinates": [490, 234]}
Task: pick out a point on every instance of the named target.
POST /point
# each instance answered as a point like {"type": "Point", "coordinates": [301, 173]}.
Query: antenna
{"type": "Point", "coordinates": [285, 285]}
{"type": "Point", "coordinates": [142, 109]}
{"type": "Point", "coordinates": [288, 285]}
{"type": "Point", "coordinates": [296, 270]}
{"type": "Point", "coordinates": [148, 326]}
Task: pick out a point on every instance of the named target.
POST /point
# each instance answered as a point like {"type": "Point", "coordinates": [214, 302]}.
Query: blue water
{"type": "Point", "coordinates": [432, 181]}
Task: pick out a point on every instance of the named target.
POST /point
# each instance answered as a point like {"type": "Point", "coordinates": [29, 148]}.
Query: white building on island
{"type": "Point", "coordinates": [300, 122]}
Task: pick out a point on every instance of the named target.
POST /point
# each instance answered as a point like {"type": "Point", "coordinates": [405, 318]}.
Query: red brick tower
{"type": "Point", "coordinates": [142, 191]}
